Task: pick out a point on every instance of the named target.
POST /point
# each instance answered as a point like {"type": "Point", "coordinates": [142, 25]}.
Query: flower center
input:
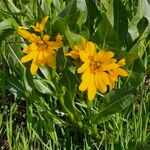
{"type": "Point", "coordinates": [95, 65]}
{"type": "Point", "coordinates": [42, 45]}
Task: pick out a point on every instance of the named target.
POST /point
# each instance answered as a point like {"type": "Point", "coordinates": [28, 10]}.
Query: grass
{"type": "Point", "coordinates": [122, 131]}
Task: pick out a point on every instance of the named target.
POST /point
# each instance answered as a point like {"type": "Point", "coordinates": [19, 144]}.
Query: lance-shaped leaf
{"type": "Point", "coordinates": [143, 10]}
{"type": "Point", "coordinates": [72, 37]}
{"type": "Point", "coordinates": [114, 102]}
{"type": "Point", "coordinates": [7, 27]}
{"type": "Point", "coordinates": [71, 14]}
{"type": "Point", "coordinates": [105, 35]}
{"type": "Point", "coordinates": [93, 13]}
{"type": "Point", "coordinates": [69, 82]}
{"type": "Point", "coordinates": [120, 20]}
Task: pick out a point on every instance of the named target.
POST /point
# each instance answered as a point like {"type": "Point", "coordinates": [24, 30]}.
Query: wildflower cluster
{"type": "Point", "coordinates": [99, 68]}
{"type": "Point", "coordinates": [41, 51]}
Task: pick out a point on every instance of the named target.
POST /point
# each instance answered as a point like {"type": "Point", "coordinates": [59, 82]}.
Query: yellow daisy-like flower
{"type": "Point", "coordinates": [59, 37]}
{"type": "Point", "coordinates": [99, 69]}
{"type": "Point", "coordinates": [41, 51]}
{"type": "Point", "coordinates": [75, 52]}
{"type": "Point", "coordinates": [114, 73]}
{"type": "Point", "coordinates": [39, 27]}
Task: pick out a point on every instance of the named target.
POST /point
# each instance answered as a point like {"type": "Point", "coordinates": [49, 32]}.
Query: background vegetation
{"type": "Point", "coordinates": [45, 111]}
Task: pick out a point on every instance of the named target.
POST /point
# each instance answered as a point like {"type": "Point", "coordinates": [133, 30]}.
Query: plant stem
{"type": "Point", "coordinates": [89, 109]}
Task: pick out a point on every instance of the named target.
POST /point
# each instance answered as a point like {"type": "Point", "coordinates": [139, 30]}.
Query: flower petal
{"type": "Point", "coordinates": [84, 84]}
{"type": "Point", "coordinates": [121, 62]}
{"type": "Point", "coordinates": [32, 48]}
{"type": "Point", "coordinates": [27, 58]}
{"type": "Point", "coordinates": [90, 49]}
{"type": "Point", "coordinates": [122, 72]}
{"type": "Point", "coordinates": [26, 49]}
{"type": "Point", "coordinates": [109, 67]}
{"type": "Point", "coordinates": [91, 88]}
{"type": "Point", "coordinates": [83, 56]}
{"type": "Point", "coordinates": [54, 45]}
{"type": "Point", "coordinates": [33, 68]}
{"type": "Point", "coordinates": [73, 54]}
{"type": "Point", "coordinates": [43, 22]}
{"type": "Point", "coordinates": [100, 84]}
{"type": "Point", "coordinates": [82, 68]}
{"type": "Point", "coordinates": [27, 35]}
{"type": "Point", "coordinates": [51, 60]}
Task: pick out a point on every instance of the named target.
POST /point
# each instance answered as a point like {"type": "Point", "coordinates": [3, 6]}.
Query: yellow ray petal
{"type": "Point", "coordinates": [59, 37]}
{"type": "Point", "coordinates": [105, 56]}
{"type": "Point", "coordinates": [83, 56]}
{"type": "Point", "coordinates": [112, 81]}
{"type": "Point", "coordinates": [46, 54]}
{"type": "Point", "coordinates": [36, 27]}
{"type": "Point", "coordinates": [91, 48]}
{"type": "Point", "coordinates": [106, 78]}
{"type": "Point", "coordinates": [33, 68]}
{"type": "Point", "coordinates": [27, 35]}
{"type": "Point", "coordinates": [26, 49]}
{"type": "Point", "coordinates": [27, 58]}
{"type": "Point", "coordinates": [82, 68]}
{"type": "Point", "coordinates": [73, 54]}
{"type": "Point", "coordinates": [54, 45]}
{"type": "Point", "coordinates": [84, 84]}
{"type": "Point", "coordinates": [51, 60]}
{"type": "Point", "coordinates": [109, 67]}
{"type": "Point", "coordinates": [122, 72]}
{"type": "Point", "coordinates": [31, 48]}
{"type": "Point", "coordinates": [82, 43]}
{"type": "Point", "coordinates": [121, 62]}
{"type": "Point", "coordinates": [43, 22]}
{"type": "Point", "coordinates": [40, 55]}
{"type": "Point", "coordinates": [39, 27]}
{"type": "Point", "coordinates": [91, 88]}
{"type": "Point", "coordinates": [99, 81]}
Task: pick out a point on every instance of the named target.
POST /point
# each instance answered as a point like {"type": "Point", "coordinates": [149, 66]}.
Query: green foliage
{"type": "Point", "coordinates": [47, 110]}
{"type": "Point", "coordinates": [114, 102]}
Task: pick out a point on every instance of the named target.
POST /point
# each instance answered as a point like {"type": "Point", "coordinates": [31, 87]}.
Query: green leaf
{"type": "Point", "coordinates": [105, 35]}
{"type": "Point", "coordinates": [141, 26]}
{"type": "Point", "coordinates": [70, 9]}
{"type": "Point", "coordinates": [130, 58]}
{"type": "Point", "coordinates": [92, 14]}
{"type": "Point", "coordinates": [69, 83]}
{"type": "Point", "coordinates": [59, 26]}
{"type": "Point", "coordinates": [138, 66]}
{"type": "Point", "coordinates": [41, 87]}
{"type": "Point", "coordinates": [120, 20]}
{"type": "Point", "coordinates": [135, 79]}
{"type": "Point", "coordinates": [114, 102]}
{"type": "Point", "coordinates": [60, 59]}
{"type": "Point", "coordinates": [110, 11]}
{"type": "Point", "coordinates": [71, 15]}
{"type": "Point", "coordinates": [72, 37]}
{"type": "Point", "coordinates": [7, 27]}
{"type": "Point", "coordinates": [143, 10]}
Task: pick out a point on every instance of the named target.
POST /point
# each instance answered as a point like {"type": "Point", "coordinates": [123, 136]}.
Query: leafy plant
{"type": "Point", "coordinates": [53, 112]}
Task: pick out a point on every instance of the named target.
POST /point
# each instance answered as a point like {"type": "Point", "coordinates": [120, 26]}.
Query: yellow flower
{"type": "Point", "coordinates": [75, 52]}
{"type": "Point", "coordinates": [99, 69]}
{"type": "Point", "coordinates": [59, 37]}
{"type": "Point", "coordinates": [39, 27]}
{"type": "Point", "coordinates": [114, 73]}
{"type": "Point", "coordinates": [41, 51]}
